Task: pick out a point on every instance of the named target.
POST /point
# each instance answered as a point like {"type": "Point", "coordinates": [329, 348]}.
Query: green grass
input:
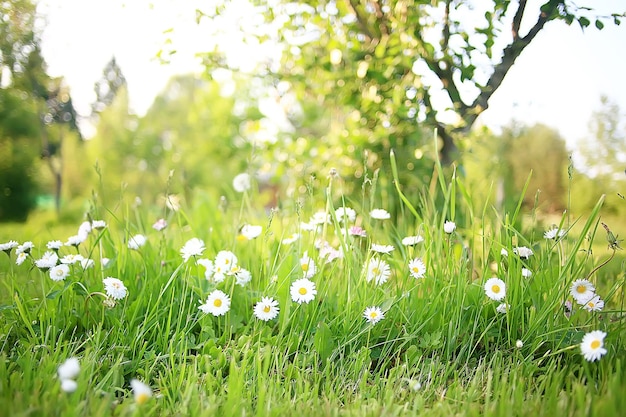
{"type": "Point", "coordinates": [441, 349]}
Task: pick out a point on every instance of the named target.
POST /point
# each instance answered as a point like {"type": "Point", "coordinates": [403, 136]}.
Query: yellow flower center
{"type": "Point", "coordinates": [416, 269]}
{"type": "Point", "coordinates": [375, 270]}
{"type": "Point", "coordinates": [495, 288]}
{"type": "Point", "coordinates": [373, 315]}
{"type": "Point", "coordinates": [581, 289]}
{"type": "Point", "coordinates": [266, 309]}
{"type": "Point", "coordinates": [305, 267]}
{"type": "Point", "coordinates": [217, 303]}
{"type": "Point", "coordinates": [142, 398]}
{"type": "Point", "coordinates": [302, 291]}
{"type": "Point", "coordinates": [595, 344]}
{"type": "Point", "coordinates": [591, 304]}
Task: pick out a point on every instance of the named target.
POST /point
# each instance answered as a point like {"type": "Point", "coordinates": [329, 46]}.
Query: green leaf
{"type": "Point", "coordinates": [599, 24]}
{"type": "Point", "coordinates": [583, 22]}
{"type": "Point", "coordinates": [323, 341]}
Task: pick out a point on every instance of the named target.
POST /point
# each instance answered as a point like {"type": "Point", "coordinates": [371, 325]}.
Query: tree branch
{"type": "Point", "coordinates": [517, 19]}
{"type": "Point", "coordinates": [361, 20]}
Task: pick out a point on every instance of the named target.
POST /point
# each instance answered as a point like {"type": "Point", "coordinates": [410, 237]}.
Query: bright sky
{"type": "Point", "coordinates": [557, 80]}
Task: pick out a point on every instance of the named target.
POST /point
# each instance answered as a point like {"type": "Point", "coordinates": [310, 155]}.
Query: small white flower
{"type": "Point", "coordinates": [69, 369]}
{"type": "Point", "coordinates": [225, 264]}
{"type": "Point", "coordinates": [159, 225]}
{"type": "Point", "coordinates": [526, 273]}
{"type": "Point", "coordinates": [193, 247]}
{"type": "Point", "coordinates": [345, 214]}
{"type": "Point", "coordinates": [594, 304]}
{"type": "Point", "coordinates": [592, 345]}
{"type": "Point", "coordinates": [217, 303]}
{"type": "Point", "coordinates": [98, 224]}
{"type": "Point", "coordinates": [71, 259]}
{"type": "Point", "coordinates": [266, 309]}
{"type": "Point", "coordinates": [386, 249]}
{"type": "Point", "coordinates": [141, 391]}
{"type": "Point", "coordinates": [59, 272]}
{"type": "Point", "coordinates": [554, 233]}
{"type": "Point", "coordinates": [519, 344]}
{"type": "Point", "coordinates": [449, 227]}
{"type": "Point", "coordinates": [104, 262]}
{"type": "Point", "coordinates": [208, 265]}
{"type": "Point", "coordinates": [380, 214]}
{"type": "Point", "coordinates": [495, 289]}
{"type": "Point", "coordinates": [241, 182]}
{"type": "Point", "coordinates": [54, 245]}
{"type": "Point", "coordinates": [115, 288]}
{"type": "Point", "coordinates": [412, 240]}
{"type": "Point", "coordinates": [84, 229]}
{"type": "Point", "coordinates": [523, 252]}
{"type": "Point", "coordinates": [242, 277]}
{"type": "Point", "coordinates": [504, 252]}
{"type": "Point", "coordinates": [373, 314]}
{"type": "Point", "coordinates": [307, 265]}
{"type": "Point", "coordinates": [303, 291]}
{"type": "Point", "coordinates": [136, 242]}
{"type": "Point", "coordinates": [582, 290]}
{"type": "Point", "coordinates": [25, 247]}
{"type": "Point", "coordinates": [68, 385]}
{"type": "Point", "coordinates": [319, 217]}
{"type": "Point", "coordinates": [357, 231]}
{"type": "Point", "coordinates": [378, 271]}
{"type": "Point", "coordinates": [86, 263]}
{"type": "Point", "coordinates": [503, 308]}
{"type": "Point", "coordinates": [250, 231]}
{"type": "Point", "coordinates": [75, 240]}
{"type": "Point", "coordinates": [291, 239]}
{"type": "Point", "coordinates": [417, 268]}
{"type": "Point", "coordinates": [8, 246]}
{"type": "Point", "coordinates": [47, 261]}
{"type": "Point", "coordinates": [21, 257]}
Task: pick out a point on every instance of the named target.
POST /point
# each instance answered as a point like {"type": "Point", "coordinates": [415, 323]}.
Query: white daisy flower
{"type": "Point", "coordinates": [449, 226]}
{"type": "Point", "coordinates": [504, 252]}
{"type": "Point", "coordinates": [582, 290]}
{"type": "Point", "coordinates": [503, 308]}
{"type": "Point", "coordinates": [250, 231]}
{"type": "Point", "coordinates": [594, 304]}
{"type": "Point", "coordinates": [59, 272]}
{"type": "Point", "coordinates": [47, 261]}
{"type": "Point", "coordinates": [266, 309]}
{"type": "Point", "coordinates": [217, 303]}
{"type": "Point", "coordinates": [554, 233]}
{"type": "Point", "coordinates": [386, 249]}
{"type": "Point", "coordinates": [115, 288]}
{"type": "Point", "coordinates": [380, 214]}
{"type": "Point", "coordinates": [241, 182]}
{"type": "Point", "coordinates": [209, 268]}
{"type": "Point", "coordinates": [320, 217]}
{"type": "Point", "coordinates": [159, 225]}
{"type": "Point", "coordinates": [141, 391]}
{"type": "Point", "coordinates": [412, 240]}
{"type": "Point", "coordinates": [69, 369]}
{"type": "Point", "coordinates": [303, 291]}
{"type": "Point", "coordinates": [193, 247]}
{"type": "Point", "coordinates": [75, 240]}
{"type": "Point", "coordinates": [378, 271]}
{"type": "Point", "coordinates": [71, 259]}
{"type": "Point", "coordinates": [523, 252]}
{"type": "Point", "coordinates": [21, 257]}
{"type": "Point", "coordinates": [307, 265]}
{"type": "Point", "coordinates": [225, 263]}
{"type": "Point", "coordinates": [519, 344]}
{"type": "Point", "coordinates": [242, 277]}
{"type": "Point", "coordinates": [592, 345]}
{"type": "Point", "coordinates": [84, 229]}
{"type": "Point", "coordinates": [137, 241]}
{"type": "Point", "coordinates": [25, 247]}
{"type": "Point", "coordinates": [373, 314]}
{"type": "Point", "coordinates": [104, 262]}
{"type": "Point", "coordinates": [526, 273]}
{"type": "Point", "coordinates": [86, 263]}
{"type": "Point", "coordinates": [68, 385]}
{"type": "Point", "coordinates": [345, 214]}
{"type": "Point", "coordinates": [8, 246]}
{"type": "Point", "coordinates": [54, 245]}
{"type": "Point", "coordinates": [98, 224]}
{"type": "Point", "coordinates": [495, 289]}
{"type": "Point", "coordinates": [417, 268]}
{"type": "Point", "coordinates": [291, 239]}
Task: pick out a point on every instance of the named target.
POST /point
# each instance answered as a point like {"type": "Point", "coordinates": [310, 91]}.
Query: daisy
{"type": "Point", "coordinates": [86, 263]}
{"type": "Point", "coordinates": [373, 314]}
{"type": "Point", "coordinates": [345, 214]}
{"type": "Point", "coordinates": [59, 272]}
{"type": "Point", "coordinates": [523, 252]}
{"type": "Point", "coordinates": [172, 202]}
{"type": "Point", "coordinates": [250, 231]}
{"type": "Point", "coordinates": [380, 214]}
{"type": "Point", "coordinates": [159, 225]}
{"type": "Point", "coordinates": [504, 252]}
{"type": "Point", "coordinates": [24, 248]}
{"type": "Point", "coordinates": [8, 246]}
{"type": "Point", "coordinates": [303, 291]}
{"type": "Point", "coordinates": [242, 277]}
{"type": "Point", "coordinates": [104, 262]}
{"type": "Point", "coordinates": [54, 245]}
{"type": "Point", "coordinates": [319, 217]}
{"type": "Point", "coordinates": [582, 290]}
{"type": "Point", "coordinates": [47, 261]}
{"type": "Point", "coordinates": [75, 240]}
{"type": "Point", "coordinates": [417, 268]}
{"type": "Point", "coordinates": [307, 265]}
{"type": "Point", "coordinates": [526, 273]}
{"type": "Point", "coordinates": [21, 257]}
{"type": "Point", "coordinates": [309, 227]}
{"type": "Point", "coordinates": [382, 248]}
{"type": "Point", "coordinates": [217, 303]}
{"type": "Point", "coordinates": [241, 182]}
{"type": "Point", "coordinates": [595, 304]}
{"type": "Point", "coordinates": [592, 345]}
{"type": "Point", "coordinates": [115, 288]}
{"type": "Point", "coordinates": [495, 289]}
{"type": "Point", "coordinates": [554, 233]}
{"type": "Point", "coordinates": [412, 240]}
{"type": "Point", "coordinates": [208, 265]}
{"type": "Point", "coordinates": [136, 242]}
{"type": "Point", "coordinates": [449, 227]}
{"type": "Point", "coordinates": [291, 239]}
{"type": "Point", "coordinates": [69, 369]}
{"type": "Point", "coordinates": [98, 224]}
{"type": "Point", "coordinates": [519, 344]}
{"type": "Point", "coordinates": [68, 385]}
{"type": "Point", "coordinates": [266, 309]}
{"type": "Point", "coordinates": [225, 263]}
{"type": "Point", "coordinates": [71, 259]}
{"type": "Point", "coordinates": [193, 247]}
{"type": "Point", "coordinates": [378, 271]}
{"type": "Point", "coordinates": [84, 229]}
{"type": "Point", "coordinates": [503, 308]}
{"type": "Point", "coordinates": [141, 391]}
{"type": "Point", "coordinates": [329, 253]}
{"type": "Point", "coordinates": [357, 231]}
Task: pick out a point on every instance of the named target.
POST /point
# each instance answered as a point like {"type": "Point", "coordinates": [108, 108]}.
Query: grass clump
{"type": "Point", "coordinates": [436, 307]}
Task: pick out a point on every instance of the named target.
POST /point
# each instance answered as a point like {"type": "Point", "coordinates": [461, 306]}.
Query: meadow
{"type": "Point", "coordinates": [329, 306]}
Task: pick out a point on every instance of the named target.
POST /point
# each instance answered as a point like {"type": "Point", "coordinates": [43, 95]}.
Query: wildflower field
{"type": "Point", "coordinates": [328, 306]}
